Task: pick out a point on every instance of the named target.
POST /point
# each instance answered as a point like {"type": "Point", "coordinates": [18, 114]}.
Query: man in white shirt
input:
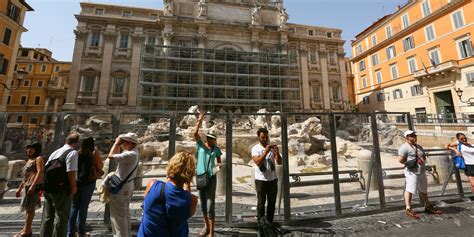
{"type": "Point", "coordinates": [59, 203]}
{"type": "Point", "coordinates": [265, 156]}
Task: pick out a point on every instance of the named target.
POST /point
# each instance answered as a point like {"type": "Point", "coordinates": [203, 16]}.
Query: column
{"type": "Point", "coordinates": [305, 87]}
{"type": "Point", "coordinates": [110, 36]}
{"type": "Point", "coordinates": [74, 76]}
{"type": "Point", "coordinates": [324, 72]}
{"type": "Point", "coordinates": [138, 38]}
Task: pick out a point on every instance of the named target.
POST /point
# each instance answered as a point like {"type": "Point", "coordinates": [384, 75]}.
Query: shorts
{"type": "Point", "coordinates": [416, 182]}
{"type": "Point", "coordinates": [469, 171]}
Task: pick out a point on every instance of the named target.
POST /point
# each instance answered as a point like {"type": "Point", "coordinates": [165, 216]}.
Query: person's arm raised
{"type": "Point", "coordinates": [198, 125]}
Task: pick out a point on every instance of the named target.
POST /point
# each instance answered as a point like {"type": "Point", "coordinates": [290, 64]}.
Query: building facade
{"type": "Point", "coordinates": [415, 59]}
{"type": "Point", "coordinates": [221, 55]}
{"type": "Point", "coordinates": [42, 90]}
{"type": "Point", "coordinates": [12, 16]}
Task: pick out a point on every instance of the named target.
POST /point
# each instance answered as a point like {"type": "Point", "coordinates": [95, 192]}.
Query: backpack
{"type": "Point", "coordinates": [55, 175]}
{"type": "Point", "coordinates": [459, 160]}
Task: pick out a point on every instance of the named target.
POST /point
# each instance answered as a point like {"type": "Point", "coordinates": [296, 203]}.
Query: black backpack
{"type": "Point", "coordinates": [55, 175]}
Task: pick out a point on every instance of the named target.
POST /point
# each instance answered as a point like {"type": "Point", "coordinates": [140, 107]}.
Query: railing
{"type": "Point", "coordinates": [459, 118]}
{"type": "Point", "coordinates": [448, 65]}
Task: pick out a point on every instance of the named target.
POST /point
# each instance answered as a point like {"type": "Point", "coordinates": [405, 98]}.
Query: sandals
{"type": "Point", "coordinates": [204, 231]}
{"type": "Point", "coordinates": [412, 214]}
{"type": "Point", "coordinates": [433, 210]}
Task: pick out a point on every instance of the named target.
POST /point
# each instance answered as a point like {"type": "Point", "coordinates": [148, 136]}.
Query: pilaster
{"type": "Point", "coordinates": [325, 77]}
{"type": "Point", "coordinates": [305, 88]}
{"type": "Point", "coordinates": [344, 90]}
{"type": "Point", "coordinates": [138, 39]}
{"type": "Point", "coordinates": [74, 76]}
{"type": "Point", "coordinates": [110, 36]}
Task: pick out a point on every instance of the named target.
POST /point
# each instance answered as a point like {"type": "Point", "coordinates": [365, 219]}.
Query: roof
{"type": "Point", "coordinates": [26, 5]}
{"type": "Point", "coordinates": [378, 22]}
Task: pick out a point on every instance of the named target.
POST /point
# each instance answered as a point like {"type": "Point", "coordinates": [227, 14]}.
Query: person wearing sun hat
{"type": "Point", "coordinates": [127, 162]}
{"type": "Point", "coordinates": [207, 152]}
{"type": "Point", "coordinates": [413, 157]}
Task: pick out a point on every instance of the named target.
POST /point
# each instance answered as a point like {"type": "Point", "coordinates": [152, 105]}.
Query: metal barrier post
{"type": "Point", "coordinates": [3, 126]}
{"type": "Point", "coordinates": [458, 183]}
{"type": "Point", "coordinates": [228, 178]}
{"type": "Point", "coordinates": [335, 167]}
{"type": "Point", "coordinates": [286, 170]}
{"type": "Point", "coordinates": [378, 163]}
{"type": "Point", "coordinates": [172, 137]}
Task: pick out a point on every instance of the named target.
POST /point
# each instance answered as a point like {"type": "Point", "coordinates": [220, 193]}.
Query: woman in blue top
{"type": "Point", "coordinates": [166, 212]}
{"type": "Point", "coordinates": [206, 154]}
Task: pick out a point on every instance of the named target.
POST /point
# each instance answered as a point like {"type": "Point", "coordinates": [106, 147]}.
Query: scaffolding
{"type": "Point", "coordinates": [173, 78]}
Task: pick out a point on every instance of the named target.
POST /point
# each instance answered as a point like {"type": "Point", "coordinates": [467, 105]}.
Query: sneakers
{"type": "Point", "coordinates": [412, 214]}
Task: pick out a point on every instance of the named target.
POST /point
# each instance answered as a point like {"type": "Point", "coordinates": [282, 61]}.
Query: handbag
{"type": "Point", "coordinates": [202, 180]}
{"type": "Point", "coordinates": [113, 183]}
{"type": "Point", "coordinates": [411, 164]}
{"type": "Point", "coordinates": [95, 171]}
{"type": "Point", "coordinates": [459, 160]}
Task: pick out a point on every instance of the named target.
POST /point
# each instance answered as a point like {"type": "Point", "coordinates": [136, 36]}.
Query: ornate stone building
{"type": "Point", "coordinates": [219, 54]}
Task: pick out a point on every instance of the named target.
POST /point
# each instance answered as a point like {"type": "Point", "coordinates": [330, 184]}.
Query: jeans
{"type": "Point", "coordinates": [266, 190]}
{"type": "Point", "coordinates": [80, 204]}
{"type": "Point", "coordinates": [56, 205]}
{"type": "Point", "coordinates": [207, 197]}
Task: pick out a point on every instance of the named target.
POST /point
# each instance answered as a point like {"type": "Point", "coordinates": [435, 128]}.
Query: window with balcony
{"type": "Point", "coordinates": [391, 52]}
{"type": "Point", "coordinates": [375, 59]}
{"type": "Point", "coordinates": [434, 57]}
{"type": "Point", "coordinates": [378, 75]}
{"type": "Point", "coordinates": [316, 91]}
{"type": "Point", "coordinates": [365, 100]}
{"type": "Point", "coordinates": [7, 35]}
{"type": "Point", "coordinates": [397, 94]}
{"type": "Point", "coordinates": [425, 7]}
{"type": "Point", "coordinates": [394, 71]}
{"type": "Point", "coordinates": [405, 21]}
{"type": "Point", "coordinates": [408, 43]}
{"type": "Point", "coordinates": [458, 19]}
{"type": "Point", "coordinates": [123, 44]}
{"type": "Point", "coordinates": [99, 11]}
{"type": "Point", "coordinates": [374, 40]}
{"type": "Point", "coordinates": [388, 31]}
{"type": "Point", "coordinates": [362, 65]}
{"type": "Point", "coordinates": [416, 90]}
{"type": "Point", "coordinates": [95, 39]}
{"type": "Point", "coordinates": [429, 32]}
{"type": "Point", "coordinates": [464, 47]}
{"type": "Point", "coordinates": [412, 65]}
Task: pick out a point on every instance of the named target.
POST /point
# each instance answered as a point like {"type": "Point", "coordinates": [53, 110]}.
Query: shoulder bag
{"type": "Point", "coordinates": [113, 183]}
{"type": "Point", "coordinates": [202, 180]}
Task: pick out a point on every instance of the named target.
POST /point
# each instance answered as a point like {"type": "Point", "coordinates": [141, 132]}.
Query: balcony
{"type": "Point", "coordinates": [86, 97]}
{"type": "Point", "coordinates": [93, 50]}
{"type": "Point", "coordinates": [117, 99]}
{"type": "Point", "coordinates": [123, 52]}
{"type": "Point", "coordinates": [55, 91]}
{"type": "Point", "coordinates": [443, 68]}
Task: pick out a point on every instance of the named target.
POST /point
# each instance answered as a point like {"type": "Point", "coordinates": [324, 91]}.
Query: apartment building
{"type": "Point", "coordinates": [12, 16]}
{"type": "Point", "coordinates": [417, 59]}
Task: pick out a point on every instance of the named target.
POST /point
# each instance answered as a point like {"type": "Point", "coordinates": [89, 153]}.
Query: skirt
{"type": "Point", "coordinates": [31, 202]}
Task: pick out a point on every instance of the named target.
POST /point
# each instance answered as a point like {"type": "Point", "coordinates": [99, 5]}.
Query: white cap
{"type": "Point", "coordinates": [409, 132]}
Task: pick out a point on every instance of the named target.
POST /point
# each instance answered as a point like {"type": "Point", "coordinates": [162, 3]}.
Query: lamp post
{"type": "Point", "coordinates": [20, 75]}
{"type": "Point", "coordinates": [469, 102]}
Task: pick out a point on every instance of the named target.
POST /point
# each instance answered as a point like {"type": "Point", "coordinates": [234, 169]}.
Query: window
{"type": "Point", "coordinates": [365, 100]}
{"type": "Point", "coordinates": [359, 49]}
{"type": "Point", "coordinates": [43, 68]}
{"type": "Point", "coordinates": [151, 40]}
{"type": "Point", "coordinates": [388, 31]}
{"type": "Point", "coordinates": [416, 90]}
{"type": "Point", "coordinates": [329, 34]}
{"type": "Point", "coordinates": [6, 36]}
{"type": "Point", "coordinates": [127, 14]}
{"type": "Point", "coordinates": [316, 89]}
{"type": "Point", "coordinates": [26, 83]}
{"type": "Point", "coordinates": [394, 71]}
{"type": "Point", "coordinates": [374, 40]}
{"type": "Point", "coordinates": [332, 58]}
{"type": "Point", "coordinates": [434, 57]}
{"type": "Point", "coordinates": [19, 118]}
{"type": "Point", "coordinates": [57, 68]}
{"type": "Point", "coordinates": [397, 94]}
{"type": "Point", "coordinates": [465, 48]}
{"type": "Point", "coordinates": [35, 55]}
{"type": "Point", "coordinates": [458, 20]}
{"type": "Point", "coordinates": [13, 12]}
{"type": "Point", "coordinates": [364, 82]}
{"type": "Point", "coordinates": [310, 32]}
{"type": "Point", "coordinates": [335, 93]}
{"type": "Point", "coordinates": [9, 100]}
{"type": "Point", "coordinates": [23, 99]}
{"type": "Point", "coordinates": [378, 75]}
{"type": "Point", "coordinates": [3, 65]}
{"type": "Point", "coordinates": [421, 115]}
{"type": "Point", "coordinates": [40, 83]}
{"type": "Point", "coordinates": [425, 6]}
{"type": "Point", "coordinates": [33, 120]}
{"type": "Point", "coordinates": [99, 11]}
{"type": "Point", "coordinates": [153, 16]}
{"type": "Point", "coordinates": [391, 52]}
{"type": "Point", "coordinates": [88, 84]}
{"type": "Point", "coordinates": [119, 85]}
{"type": "Point", "coordinates": [470, 78]}
{"type": "Point", "coordinates": [24, 53]}
{"type": "Point", "coordinates": [362, 65]}
{"type": "Point", "coordinates": [381, 96]}
{"type": "Point", "coordinates": [408, 43]}
{"type": "Point", "coordinates": [313, 56]}
{"type": "Point", "coordinates": [429, 32]}
{"type": "Point", "coordinates": [95, 39]}
{"type": "Point", "coordinates": [37, 100]}
{"type": "Point", "coordinates": [123, 41]}
{"type": "Point", "coordinates": [412, 65]}
{"type": "Point", "coordinates": [30, 67]}
{"type": "Point", "coordinates": [405, 21]}
{"type": "Point", "coordinates": [375, 59]}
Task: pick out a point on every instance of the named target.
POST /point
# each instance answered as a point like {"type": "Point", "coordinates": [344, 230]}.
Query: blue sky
{"type": "Point", "coordinates": [52, 23]}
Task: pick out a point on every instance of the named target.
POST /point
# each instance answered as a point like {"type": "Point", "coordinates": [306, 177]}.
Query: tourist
{"type": "Point", "coordinates": [59, 190]}
{"type": "Point", "coordinates": [207, 152]}
{"type": "Point", "coordinates": [265, 156]}
{"type": "Point", "coordinates": [32, 183]}
{"type": "Point", "coordinates": [413, 157]}
{"type": "Point", "coordinates": [127, 163]}
{"type": "Point", "coordinates": [88, 158]}
{"type": "Point", "coordinates": [466, 151]}
{"type": "Point", "coordinates": [168, 206]}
